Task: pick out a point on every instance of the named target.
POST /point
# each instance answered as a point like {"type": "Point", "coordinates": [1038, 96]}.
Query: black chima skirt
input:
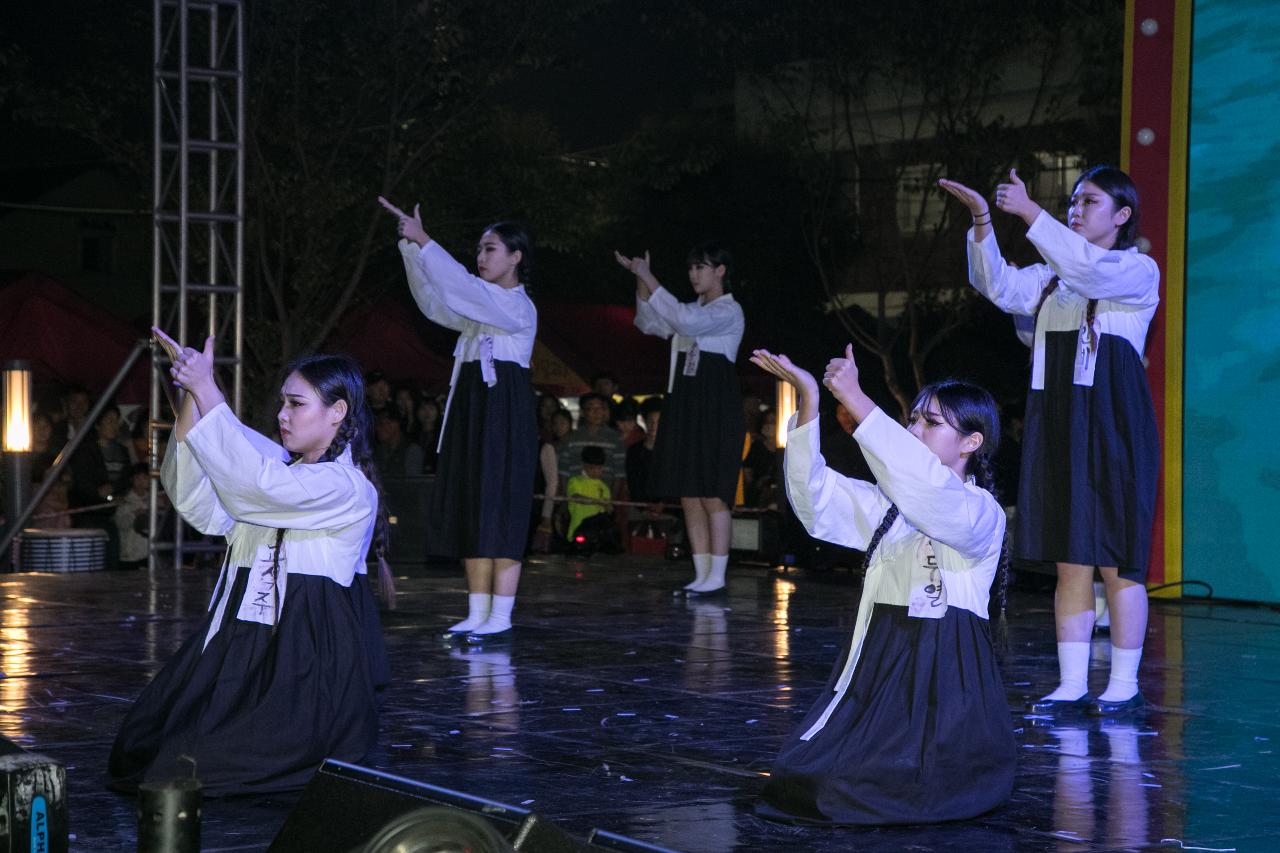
{"type": "Point", "coordinates": [483, 491]}
{"type": "Point", "coordinates": [922, 735]}
{"type": "Point", "coordinates": [698, 452]}
{"type": "Point", "coordinates": [258, 711]}
{"type": "Point", "coordinates": [1090, 462]}
{"type": "Point", "coordinates": [371, 630]}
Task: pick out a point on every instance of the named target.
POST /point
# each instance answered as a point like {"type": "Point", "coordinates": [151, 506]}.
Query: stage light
{"type": "Point", "coordinates": [785, 407]}
{"type": "Point", "coordinates": [580, 539]}
{"type": "Point", "coordinates": [17, 407]}
{"type": "Point", "coordinates": [16, 442]}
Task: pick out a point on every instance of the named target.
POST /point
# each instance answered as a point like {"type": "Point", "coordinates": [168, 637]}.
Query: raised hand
{"type": "Point", "coordinates": [806, 386]}
{"type": "Point", "coordinates": [646, 284]}
{"type": "Point", "coordinates": [971, 199]}
{"type": "Point", "coordinates": [1012, 198]}
{"type": "Point", "coordinates": [638, 266]}
{"type": "Point", "coordinates": [193, 369]}
{"type": "Point", "coordinates": [841, 379]}
{"type": "Point", "coordinates": [172, 350]}
{"type": "Point", "coordinates": [841, 376]}
{"type": "Point", "coordinates": [171, 347]}
{"type": "Point", "coordinates": [783, 368]}
{"type": "Point", "coordinates": [408, 227]}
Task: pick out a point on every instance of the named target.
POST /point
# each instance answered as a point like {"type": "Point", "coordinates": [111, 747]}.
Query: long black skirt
{"type": "Point", "coordinates": [258, 711]}
{"type": "Point", "coordinates": [698, 452]}
{"type": "Point", "coordinates": [371, 629]}
{"type": "Point", "coordinates": [1090, 462]}
{"type": "Point", "coordinates": [483, 492]}
{"type": "Point", "coordinates": [922, 735]}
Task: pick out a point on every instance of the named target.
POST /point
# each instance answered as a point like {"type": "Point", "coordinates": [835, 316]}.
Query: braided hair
{"type": "Point", "coordinates": [968, 408]}
{"type": "Point", "coordinates": [338, 377]}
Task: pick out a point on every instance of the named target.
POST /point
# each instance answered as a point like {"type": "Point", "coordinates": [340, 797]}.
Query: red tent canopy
{"type": "Point", "coordinates": [66, 338]}
{"type": "Point", "coordinates": [574, 342]}
{"type": "Point", "coordinates": [593, 338]}
{"type": "Point", "coordinates": [598, 338]}
{"type": "Point", "coordinates": [397, 339]}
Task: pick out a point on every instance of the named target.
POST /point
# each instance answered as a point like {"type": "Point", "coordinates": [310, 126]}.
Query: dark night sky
{"type": "Point", "coordinates": [617, 71]}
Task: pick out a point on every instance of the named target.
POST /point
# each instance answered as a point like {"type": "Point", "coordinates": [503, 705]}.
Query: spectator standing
{"type": "Point", "coordinates": [131, 518]}
{"type": "Point", "coordinates": [394, 453]}
{"type": "Point", "coordinates": [594, 431]}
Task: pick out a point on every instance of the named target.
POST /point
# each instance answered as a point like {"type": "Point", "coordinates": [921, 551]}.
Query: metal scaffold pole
{"type": "Point", "coordinates": [198, 204]}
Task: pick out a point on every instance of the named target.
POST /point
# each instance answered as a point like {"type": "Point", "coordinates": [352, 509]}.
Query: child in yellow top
{"type": "Point", "coordinates": [589, 484]}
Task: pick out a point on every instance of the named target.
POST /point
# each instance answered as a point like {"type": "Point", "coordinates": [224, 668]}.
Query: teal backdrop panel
{"type": "Point", "coordinates": [1231, 495]}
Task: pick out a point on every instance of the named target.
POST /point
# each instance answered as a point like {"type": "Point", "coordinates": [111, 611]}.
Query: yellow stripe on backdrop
{"type": "Point", "coordinates": [1175, 297]}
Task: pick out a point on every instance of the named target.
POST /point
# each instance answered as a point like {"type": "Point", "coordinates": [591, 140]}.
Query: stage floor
{"type": "Point", "coordinates": [619, 707]}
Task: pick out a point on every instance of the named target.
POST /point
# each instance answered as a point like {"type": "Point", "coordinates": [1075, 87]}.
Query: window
{"type": "Point", "coordinates": [921, 204]}
{"type": "Point", "coordinates": [1052, 186]}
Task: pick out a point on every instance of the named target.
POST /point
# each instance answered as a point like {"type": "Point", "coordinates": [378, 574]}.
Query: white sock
{"type": "Point", "coordinates": [715, 577]}
{"type": "Point", "coordinates": [478, 604]}
{"type": "Point", "coordinates": [1101, 613]}
{"type": "Point", "coordinates": [1073, 672]}
{"type": "Point", "coordinates": [701, 568]}
{"type": "Point", "coordinates": [1123, 683]}
{"type": "Point", "coordinates": [499, 616]}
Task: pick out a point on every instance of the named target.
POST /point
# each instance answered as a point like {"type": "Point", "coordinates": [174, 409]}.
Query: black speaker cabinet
{"type": "Point", "coordinates": [344, 806]}
{"type": "Point", "coordinates": [407, 499]}
{"type": "Point", "coordinates": [33, 802]}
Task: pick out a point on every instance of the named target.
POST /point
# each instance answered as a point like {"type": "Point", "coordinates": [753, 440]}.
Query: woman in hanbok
{"type": "Point", "coordinates": [482, 502]}
{"type": "Point", "coordinates": [912, 726]}
{"type": "Point", "coordinates": [1090, 448]}
{"type": "Point", "coordinates": [284, 670]}
{"type": "Point", "coordinates": [698, 454]}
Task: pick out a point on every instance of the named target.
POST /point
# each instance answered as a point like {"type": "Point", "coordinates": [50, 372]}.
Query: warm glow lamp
{"type": "Point", "coordinates": [16, 441]}
{"type": "Point", "coordinates": [785, 407]}
{"type": "Point", "coordinates": [17, 407]}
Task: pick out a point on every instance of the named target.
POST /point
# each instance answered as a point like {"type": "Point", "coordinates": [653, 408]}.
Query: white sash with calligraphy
{"type": "Point", "coordinates": [928, 599]}
{"type": "Point", "coordinates": [264, 594]}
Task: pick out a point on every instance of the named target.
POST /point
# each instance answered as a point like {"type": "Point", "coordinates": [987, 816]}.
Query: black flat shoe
{"type": "Point", "coordinates": [503, 636]}
{"type": "Point", "coordinates": [1055, 706]}
{"type": "Point", "coordinates": [711, 593]}
{"type": "Point", "coordinates": [1098, 708]}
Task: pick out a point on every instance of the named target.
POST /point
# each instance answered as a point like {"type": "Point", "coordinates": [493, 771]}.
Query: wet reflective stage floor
{"type": "Point", "coordinates": [619, 707]}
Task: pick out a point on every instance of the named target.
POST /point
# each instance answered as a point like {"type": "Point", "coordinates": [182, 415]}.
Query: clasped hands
{"type": "Point", "coordinates": [190, 369]}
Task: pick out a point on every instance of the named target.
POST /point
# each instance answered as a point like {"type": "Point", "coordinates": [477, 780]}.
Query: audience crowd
{"type": "Point", "coordinates": [106, 482]}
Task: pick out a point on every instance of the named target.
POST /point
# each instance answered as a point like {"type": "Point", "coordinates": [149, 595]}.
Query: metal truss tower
{"type": "Point", "coordinates": [198, 252]}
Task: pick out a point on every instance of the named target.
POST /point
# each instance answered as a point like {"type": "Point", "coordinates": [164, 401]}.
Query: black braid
{"type": "Point", "coordinates": [987, 479]}
{"type": "Point", "coordinates": [337, 377]}
{"type": "Point", "coordinates": [890, 516]}
{"type": "Point", "coordinates": [362, 456]}
{"type": "Point", "coordinates": [275, 580]}
{"type": "Point", "coordinates": [332, 452]}
{"type": "Point", "coordinates": [341, 440]}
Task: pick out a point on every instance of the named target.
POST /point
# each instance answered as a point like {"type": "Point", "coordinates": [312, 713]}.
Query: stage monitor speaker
{"type": "Point", "coordinates": [600, 839]}
{"type": "Point", "coordinates": [755, 536]}
{"type": "Point", "coordinates": [345, 807]}
{"type": "Point", "coordinates": [33, 802]}
{"type": "Point", "coordinates": [407, 503]}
